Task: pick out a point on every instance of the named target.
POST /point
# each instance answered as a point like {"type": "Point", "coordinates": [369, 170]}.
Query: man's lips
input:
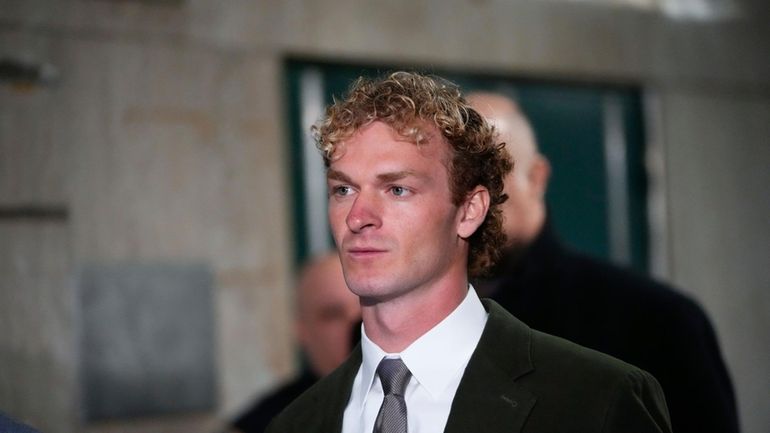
{"type": "Point", "coordinates": [365, 251]}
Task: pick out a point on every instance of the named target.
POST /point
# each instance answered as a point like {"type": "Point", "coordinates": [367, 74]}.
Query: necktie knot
{"type": "Point", "coordinates": [394, 376]}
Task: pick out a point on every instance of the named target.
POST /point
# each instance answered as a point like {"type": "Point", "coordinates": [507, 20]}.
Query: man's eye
{"type": "Point", "coordinates": [341, 190]}
{"type": "Point", "coordinates": [399, 191]}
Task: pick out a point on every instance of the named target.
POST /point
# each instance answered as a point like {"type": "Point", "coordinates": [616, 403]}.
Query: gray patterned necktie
{"type": "Point", "coordinates": [392, 416]}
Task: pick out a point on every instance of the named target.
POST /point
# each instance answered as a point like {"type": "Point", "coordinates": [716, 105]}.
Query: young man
{"type": "Point", "coordinates": [415, 183]}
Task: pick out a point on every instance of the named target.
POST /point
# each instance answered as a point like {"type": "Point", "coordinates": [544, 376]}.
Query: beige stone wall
{"type": "Point", "coordinates": [720, 228]}
{"type": "Point", "coordinates": [160, 148]}
{"type": "Point", "coordinates": [37, 317]}
{"type": "Point", "coordinates": [164, 139]}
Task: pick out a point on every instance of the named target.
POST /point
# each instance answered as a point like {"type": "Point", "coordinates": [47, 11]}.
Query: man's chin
{"type": "Point", "coordinates": [369, 291]}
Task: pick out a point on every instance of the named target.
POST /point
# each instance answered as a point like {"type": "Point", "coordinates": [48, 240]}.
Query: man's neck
{"type": "Point", "coordinates": [530, 229]}
{"type": "Point", "coordinates": [397, 323]}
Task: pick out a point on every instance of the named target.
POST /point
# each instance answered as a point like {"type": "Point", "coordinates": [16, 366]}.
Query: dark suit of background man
{"type": "Point", "coordinates": [415, 180]}
{"type": "Point", "coordinates": [598, 305]}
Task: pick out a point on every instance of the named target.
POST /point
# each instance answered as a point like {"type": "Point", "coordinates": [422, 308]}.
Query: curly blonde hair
{"type": "Point", "coordinates": [408, 102]}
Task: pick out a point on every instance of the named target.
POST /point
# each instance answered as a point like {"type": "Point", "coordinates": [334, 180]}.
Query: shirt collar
{"type": "Point", "coordinates": [438, 355]}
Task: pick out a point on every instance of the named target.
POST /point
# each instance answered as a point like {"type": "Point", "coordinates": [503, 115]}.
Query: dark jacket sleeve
{"type": "Point", "coordinates": [638, 406]}
{"type": "Point", "coordinates": [696, 381]}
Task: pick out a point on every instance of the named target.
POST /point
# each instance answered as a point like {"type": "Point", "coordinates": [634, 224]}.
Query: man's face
{"type": "Point", "coordinates": [392, 215]}
{"type": "Point", "coordinates": [521, 199]}
{"type": "Point", "coordinates": [328, 311]}
{"type": "Point", "coordinates": [524, 188]}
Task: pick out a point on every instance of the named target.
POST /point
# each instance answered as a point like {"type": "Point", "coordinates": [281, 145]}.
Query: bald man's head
{"type": "Point", "coordinates": [524, 211]}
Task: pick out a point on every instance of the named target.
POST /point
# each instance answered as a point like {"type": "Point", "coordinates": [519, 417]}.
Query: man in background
{"type": "Point", "coordinates": [595, 304]}
{"type": "Point", "coordinates": [327, 318]}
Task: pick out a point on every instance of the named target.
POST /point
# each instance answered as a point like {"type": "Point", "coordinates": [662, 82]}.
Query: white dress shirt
{"type": "Point", "coordinates": [437, 361]}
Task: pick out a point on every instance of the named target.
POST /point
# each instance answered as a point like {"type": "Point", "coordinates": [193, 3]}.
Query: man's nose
{"type": "Point", "coordinates": [364, 213]}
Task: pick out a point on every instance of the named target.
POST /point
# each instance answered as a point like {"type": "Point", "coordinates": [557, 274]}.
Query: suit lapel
{"type": "Point", "coordinates": [488, 398]}
{"type": "Point", "coordinates": [337, 394]}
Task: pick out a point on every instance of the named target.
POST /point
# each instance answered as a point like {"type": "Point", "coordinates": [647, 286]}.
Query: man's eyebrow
{"type": "Point", "coordinates": [384, 177]}
{"type": "Point", "coordinates": [398, 175]}
{"type": "Point", "coordinates": [338, 175]}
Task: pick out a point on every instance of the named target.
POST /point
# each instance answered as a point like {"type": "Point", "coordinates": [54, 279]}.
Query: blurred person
{"type": "Point", "coordinates": [327, 319]}
{"type": "Point", "coordinates": [596, 304]}
{"type": "Point", "coordinates": [9, 425]}
{"type": "Point", "coordinates": [415, 179]}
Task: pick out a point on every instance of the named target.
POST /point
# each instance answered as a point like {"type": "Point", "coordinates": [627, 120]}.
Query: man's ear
{"type": "Point", "coordinates": [473, 211]}
{"type": "Point", "coordinates": [539, 174]}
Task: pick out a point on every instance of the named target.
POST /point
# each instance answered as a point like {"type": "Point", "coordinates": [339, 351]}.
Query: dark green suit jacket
{"type": "Point", "coordinates": [518, 380]}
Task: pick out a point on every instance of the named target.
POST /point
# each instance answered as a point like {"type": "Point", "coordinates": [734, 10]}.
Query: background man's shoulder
{"type": "Point", "coordinates": [622, 287]}
{"type": "Point", "coordinates": [550, 352]}
{"type": "Point", "coordinates": [322, 405]}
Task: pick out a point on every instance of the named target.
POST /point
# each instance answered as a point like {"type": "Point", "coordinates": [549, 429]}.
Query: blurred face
{"type": "Point", "coordinates": [328, 312]}
{"type": "Point", "coordinates": [522, 198]}
{"type": "Point", "coordinates": [523, 212]}
{"type": "Point", "coordinates": [391, 214]}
